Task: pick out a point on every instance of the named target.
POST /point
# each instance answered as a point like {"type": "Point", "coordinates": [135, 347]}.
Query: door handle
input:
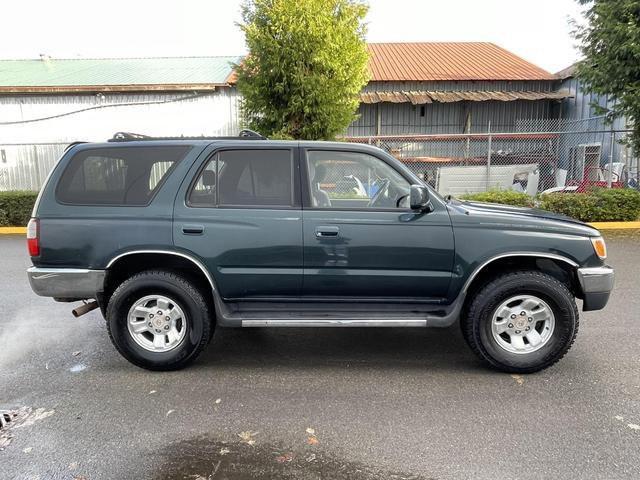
{"type": "Point", "coordinates": [327, 231]}
{"type": "Point", "coordinates": [192, 229]}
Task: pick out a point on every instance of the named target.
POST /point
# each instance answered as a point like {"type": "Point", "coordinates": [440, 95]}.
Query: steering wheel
{"type": "Point", "coordinates": [381, 191]}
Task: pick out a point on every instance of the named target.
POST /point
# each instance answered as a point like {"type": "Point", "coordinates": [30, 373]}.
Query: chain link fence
{"type": "Point", "coordinates": [537, 156]}
{"type": "Point", "coordinates": [566, 158]}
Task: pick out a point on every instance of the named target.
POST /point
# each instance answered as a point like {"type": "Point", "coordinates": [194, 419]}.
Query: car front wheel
{"type": "Point", "coordinates": [521, 322]}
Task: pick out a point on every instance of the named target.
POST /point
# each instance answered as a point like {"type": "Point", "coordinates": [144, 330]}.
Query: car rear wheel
{"type": "Point", "coordinates": [521, 322]}
{"type": "Point", "coordinates": [158, 320]}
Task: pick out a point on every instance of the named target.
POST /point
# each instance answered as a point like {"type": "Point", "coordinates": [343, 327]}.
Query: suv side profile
{"type": "Point", "coordinates": [172, 238]}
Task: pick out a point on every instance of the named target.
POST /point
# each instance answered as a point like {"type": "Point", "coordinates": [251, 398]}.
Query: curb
{"type": "Point", "coordinates": [13, 230]}
{"type": "Point", "coordinates": [616, 225]}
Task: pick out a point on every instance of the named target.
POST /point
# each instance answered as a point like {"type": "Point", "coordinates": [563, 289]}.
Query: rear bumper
{"type": "Point", "coordinates": [597, 284]}
{"type": "Point", "coordinates": [66, 283]}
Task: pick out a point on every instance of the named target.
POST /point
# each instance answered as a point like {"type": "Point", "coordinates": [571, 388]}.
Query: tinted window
{"type": "Point", "coordinates": [203, 192]}
{"type": "Point", "coordinates": [117, 176]}
{"type": "Point", "coordinates": [246, 177]}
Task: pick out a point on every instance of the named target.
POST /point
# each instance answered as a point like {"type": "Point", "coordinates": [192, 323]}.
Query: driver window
{"type": "Point", "coordinates": [354, 180]}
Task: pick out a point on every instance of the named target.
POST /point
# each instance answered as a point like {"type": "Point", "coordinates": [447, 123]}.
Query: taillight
{"type": "Point", "coordinates": [33, 237]}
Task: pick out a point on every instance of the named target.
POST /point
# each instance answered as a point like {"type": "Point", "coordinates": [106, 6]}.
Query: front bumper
{"type": "Point", "coordinates": [66, 283]}
{"type": "Point", "coordinates": [596, 284]}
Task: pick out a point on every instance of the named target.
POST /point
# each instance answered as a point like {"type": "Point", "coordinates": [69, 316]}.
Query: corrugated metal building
{"type": "Point", "coordinates": [46, 103]}
{"type": "Point", "coordinates": [63, 100]}
{"type": "Point", "coordinates": [579, 105]}
{"type": "Point", "coordinates": [415, 88]}
{"type": "Point", "coordinates": [452, 88]}
{"type": "Point", "coordinates": [600, 140]}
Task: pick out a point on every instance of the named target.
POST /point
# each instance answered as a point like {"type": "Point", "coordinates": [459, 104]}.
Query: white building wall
{"type": "Point", "coordinates": [96, 117]}
{"type": "Point", "coordinates": [34, 129]}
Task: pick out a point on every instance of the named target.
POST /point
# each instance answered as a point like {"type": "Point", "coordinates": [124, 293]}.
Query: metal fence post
{"type": "Point", "coordinates": [612, 141]}
{"type": "Point", "coordinates": [488, 155]}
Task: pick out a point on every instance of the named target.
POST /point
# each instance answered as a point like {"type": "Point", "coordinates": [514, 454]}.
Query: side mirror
{"type": "Point", "coordinates": [419, 198]}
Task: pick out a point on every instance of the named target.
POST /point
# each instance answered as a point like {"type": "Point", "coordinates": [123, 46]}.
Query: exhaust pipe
{"type": "Point", "coordinates": [84, 308]}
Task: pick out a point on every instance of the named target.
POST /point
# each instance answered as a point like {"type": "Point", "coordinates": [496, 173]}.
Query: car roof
{"type": "Point", "coordinates": [228, 141]}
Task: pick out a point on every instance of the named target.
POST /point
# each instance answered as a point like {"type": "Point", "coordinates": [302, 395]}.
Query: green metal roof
{"type": "Point", "coordinates": [180, 73]}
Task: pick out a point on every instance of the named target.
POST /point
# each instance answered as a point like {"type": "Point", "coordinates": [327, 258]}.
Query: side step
{"type": "Point", "coordinates": [336, 315]}
{"type": "Point", "coordinates": [318, 322]}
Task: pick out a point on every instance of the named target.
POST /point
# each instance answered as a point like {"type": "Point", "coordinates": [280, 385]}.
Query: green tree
{"type": "Point", "coordinates": [610, 43]}
{"type": "Point", "coordinates": [307, 62]}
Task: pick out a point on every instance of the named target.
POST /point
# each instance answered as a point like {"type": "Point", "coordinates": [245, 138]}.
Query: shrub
{"type": "Point", "coordinates": [505, 197]}
{"type": "Point", "coordinates": [598, 205]}
{"type": "Point", "coordinates": [15, 208]}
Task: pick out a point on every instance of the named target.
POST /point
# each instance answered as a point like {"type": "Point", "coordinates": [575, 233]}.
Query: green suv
{"type": "Point", "coordinates": [172, 238]}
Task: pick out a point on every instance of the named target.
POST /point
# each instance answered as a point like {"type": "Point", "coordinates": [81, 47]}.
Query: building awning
{"type": "Point", "coordinates": [422, 97]}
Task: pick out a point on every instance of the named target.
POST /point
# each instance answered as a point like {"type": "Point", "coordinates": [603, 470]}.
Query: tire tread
{"type": "Point", "coordinates": [191, 290]}
{"type": "Point", "coordinates": [470, 321]}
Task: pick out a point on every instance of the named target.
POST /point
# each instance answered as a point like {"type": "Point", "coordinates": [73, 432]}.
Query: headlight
{"type": "Point", "coordinates": [599, 247]}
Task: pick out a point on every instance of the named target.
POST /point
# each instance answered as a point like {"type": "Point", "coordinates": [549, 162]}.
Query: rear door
{"type": "Point", "coordinates": [360, 238]}
{"type": "Point", "coordinates": [240, 213]}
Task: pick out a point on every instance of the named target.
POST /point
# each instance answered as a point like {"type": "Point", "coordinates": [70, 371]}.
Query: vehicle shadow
{"type": "Point", "coordinates": [432, 348]}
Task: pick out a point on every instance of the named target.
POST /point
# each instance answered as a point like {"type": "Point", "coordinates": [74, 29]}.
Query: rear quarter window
{"type": "Point", "coordinates": [117, 176]}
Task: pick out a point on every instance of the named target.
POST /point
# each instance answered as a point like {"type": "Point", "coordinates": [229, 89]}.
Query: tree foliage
{"type": "Point", "coordinates": [610, 43]}
{"type": "Point", "coordinates": [307, 63]}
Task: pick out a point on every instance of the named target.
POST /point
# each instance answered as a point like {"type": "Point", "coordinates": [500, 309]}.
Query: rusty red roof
{"type": "Point", "coordinates": [442, 61]}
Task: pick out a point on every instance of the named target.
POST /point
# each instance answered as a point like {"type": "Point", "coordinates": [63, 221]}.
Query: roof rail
{"type": "Point", "coordinates": [130, 137]}
{"type": "Point", "coordinates": [73, 144]}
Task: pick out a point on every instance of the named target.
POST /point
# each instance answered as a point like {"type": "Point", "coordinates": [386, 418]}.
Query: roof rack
{"type": "Point", "coordinates": [130, 137]}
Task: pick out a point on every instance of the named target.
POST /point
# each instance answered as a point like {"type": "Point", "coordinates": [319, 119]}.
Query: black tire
{"type": "Point", "coordinates": [191, 300]}
{"type": "Point", "coordinates": [476, 324]}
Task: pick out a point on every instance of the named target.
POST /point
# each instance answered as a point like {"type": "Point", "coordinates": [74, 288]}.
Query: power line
{"type": "Point", "coordinates": [110, 105]}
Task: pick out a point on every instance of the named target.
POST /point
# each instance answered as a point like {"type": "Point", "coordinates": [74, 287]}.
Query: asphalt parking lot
{"type": "Point", "coordinates": [316, 403]}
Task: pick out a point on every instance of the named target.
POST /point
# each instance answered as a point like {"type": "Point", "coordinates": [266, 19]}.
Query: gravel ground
{"type": "Point", "coordinates": [316, 403]}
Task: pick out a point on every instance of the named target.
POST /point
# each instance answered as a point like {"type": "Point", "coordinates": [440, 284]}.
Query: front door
{"type": "Point", "coordinates": [361, 241]}
{"type": "Point", "coordinates": [240, 213]}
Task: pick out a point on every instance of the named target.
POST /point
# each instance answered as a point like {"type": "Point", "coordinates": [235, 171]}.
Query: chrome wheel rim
{"type": "Point", "coordinates": [157, 323]}
{"type": "Point", "coordinates": [522, 324]}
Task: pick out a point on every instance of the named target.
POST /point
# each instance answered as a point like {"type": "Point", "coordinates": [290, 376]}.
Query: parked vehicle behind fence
{"type": "Point", "coordinates": [172, 238]}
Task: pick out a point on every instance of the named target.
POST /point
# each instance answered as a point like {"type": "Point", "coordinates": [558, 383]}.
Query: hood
{"type": "Point", "coordinates": [502, 213]}
{"type": "Point", "coordinates": [480, 207]}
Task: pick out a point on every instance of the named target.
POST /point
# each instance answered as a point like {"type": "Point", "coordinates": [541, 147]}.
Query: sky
{"type": "Point", "coordinates": [537, 30]}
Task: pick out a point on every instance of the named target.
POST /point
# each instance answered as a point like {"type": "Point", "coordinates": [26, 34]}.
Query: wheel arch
{"type": "Point", "coordinates": [129, 263]}
{"type": "Point", "coordinates": [560, 267]}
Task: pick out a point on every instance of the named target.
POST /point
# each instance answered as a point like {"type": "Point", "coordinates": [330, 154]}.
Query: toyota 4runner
{"type": "Point", "coordinates": [171, 238]}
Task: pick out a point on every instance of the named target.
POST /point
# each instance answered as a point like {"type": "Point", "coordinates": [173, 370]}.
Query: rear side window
{"type": "Point", "coordinates": [117, 176]}
{"type": "Point", "coordinates": [245, 178]}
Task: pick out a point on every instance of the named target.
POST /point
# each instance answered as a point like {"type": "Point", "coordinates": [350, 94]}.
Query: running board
{"type": "Point", "coordinates": [228, 315]}
{"type": "Point", "coordinates": [333, 323]}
